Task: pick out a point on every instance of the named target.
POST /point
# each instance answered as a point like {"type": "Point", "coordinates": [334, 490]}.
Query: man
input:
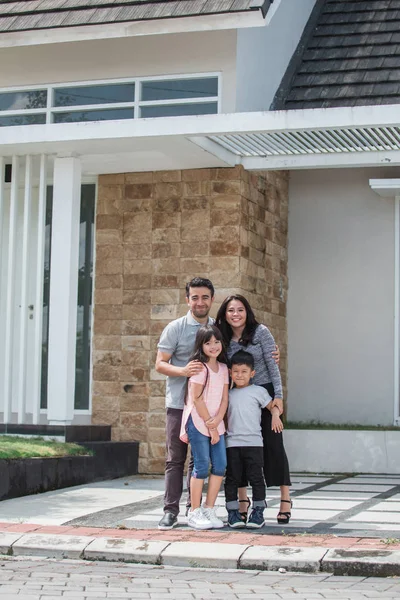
{"type": "Point", "coordinates": [174, 350]}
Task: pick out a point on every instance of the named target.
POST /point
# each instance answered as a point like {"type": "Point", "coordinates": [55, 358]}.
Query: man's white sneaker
{"type": "Point", "coordinates": [198, 520]}
{"type": "Point", "coordinates": [211, 516]}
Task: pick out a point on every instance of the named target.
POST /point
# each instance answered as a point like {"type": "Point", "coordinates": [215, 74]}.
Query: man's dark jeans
{"type": "Point", "coordinates": [176, 452]}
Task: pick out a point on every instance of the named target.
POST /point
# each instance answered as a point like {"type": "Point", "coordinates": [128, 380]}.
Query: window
{"type": "Point", "coordinates": [111, 101]}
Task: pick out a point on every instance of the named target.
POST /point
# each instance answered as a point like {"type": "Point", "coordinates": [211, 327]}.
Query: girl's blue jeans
{"type": "Point", "coordinates": [204, 452]}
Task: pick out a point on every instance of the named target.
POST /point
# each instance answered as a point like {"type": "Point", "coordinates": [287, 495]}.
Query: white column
{"type": "Point", "coordinates": [390, 188]}
{"type": "Point", "coordinates": [38, 323]}
{"type": "Point", "coordinates": [63, 290]}
{"type": "Point", "coordinates": [23, 303]}
{"type": "Point", "coordinates": [10, 300]}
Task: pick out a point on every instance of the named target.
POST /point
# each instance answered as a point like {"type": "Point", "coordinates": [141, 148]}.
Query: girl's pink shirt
{"type": "Point", "coordinates": [212, 397]}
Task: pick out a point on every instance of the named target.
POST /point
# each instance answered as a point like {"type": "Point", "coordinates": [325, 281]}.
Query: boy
{"type": "Point", "coordinates": [244, 444]}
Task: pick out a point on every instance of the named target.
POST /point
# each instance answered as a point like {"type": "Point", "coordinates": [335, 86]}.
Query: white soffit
{"type": "Point", "coordinates": [298, 139]}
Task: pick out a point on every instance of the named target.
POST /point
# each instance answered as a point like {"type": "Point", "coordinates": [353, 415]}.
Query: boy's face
{"type": "Point", "coordinates": [241, 375]}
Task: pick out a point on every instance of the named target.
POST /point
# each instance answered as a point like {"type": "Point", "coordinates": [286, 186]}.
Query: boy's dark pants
{"type": "Point", "coordinates": [245, 463]}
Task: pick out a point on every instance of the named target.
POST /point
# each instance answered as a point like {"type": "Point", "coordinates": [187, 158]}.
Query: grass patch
{"type": "Point", "coordinates": [316, 425]}
{"type": "Point", "coordinates": [37, 447]}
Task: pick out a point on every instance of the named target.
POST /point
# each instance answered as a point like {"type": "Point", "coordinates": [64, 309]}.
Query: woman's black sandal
{"type": "Point", "coordinates": [286, 518]}
{"type": "Point", "coordinates": [244, 514]}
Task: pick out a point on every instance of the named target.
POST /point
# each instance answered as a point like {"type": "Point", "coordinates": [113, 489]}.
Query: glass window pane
{"type": "Point", "coordinates": [22, 120]}
{"type": "Point", "coordinates": [181, 88]}
{"type": "Point", "coordinates": [23, 100]}
{"type": "Point", "coordinates": [46, 296]}
{"type": "Point", "coordinates": [179, 110]}
{"type": "Point", "coordinates": [93, 115]}
{"type": "Point", "coordinates": [94, 94]}
{"type": "Point", "coordinates": [85, 283]}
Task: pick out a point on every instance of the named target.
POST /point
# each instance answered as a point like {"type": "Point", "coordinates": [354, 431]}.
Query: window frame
{"type": "Point", "coordinates": [136, 104]}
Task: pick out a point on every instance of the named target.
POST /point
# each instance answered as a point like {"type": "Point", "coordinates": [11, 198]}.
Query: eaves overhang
{"type": "Point", "coordinates": [303, 139]}
{"type": "Point", "coordinates": [214, 22]}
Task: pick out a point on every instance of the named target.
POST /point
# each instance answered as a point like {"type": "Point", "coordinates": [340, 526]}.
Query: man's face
{"type": "Point", "coordinates": [199, 301]}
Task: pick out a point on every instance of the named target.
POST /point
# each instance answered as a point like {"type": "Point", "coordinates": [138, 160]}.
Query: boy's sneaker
{"type": "Point", "coordinates": [211, 516]}
{"type": "Point", "coordinates": [198, 520]}
{"type": "Point", "coordinates": [235, 519]}
{"type": "Point", "coordinates": [256, 519]}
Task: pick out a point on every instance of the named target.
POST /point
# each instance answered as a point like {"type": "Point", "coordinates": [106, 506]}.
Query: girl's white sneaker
{"type": "Point", "coordinates": [211, 516]}
{"type": "Point", "coordinates": [198, 520]}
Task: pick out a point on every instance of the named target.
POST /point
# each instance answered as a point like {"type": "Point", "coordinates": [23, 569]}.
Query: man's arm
{"type": "Point", "coordinates": [164, 367]}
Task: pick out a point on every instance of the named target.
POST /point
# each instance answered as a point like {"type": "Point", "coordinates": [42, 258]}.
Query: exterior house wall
{"type": "Point", "coordinates": [341, 298]}
{"type": "Point", "coordinates": [130, 57]}
{"type": "Point", "coordinates": [263, 53]}
{"type": "Point", "coordinates": [154, 232]}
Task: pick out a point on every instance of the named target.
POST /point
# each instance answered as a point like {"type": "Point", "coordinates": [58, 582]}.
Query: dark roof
{"type": "Point", "coordinates": [48, 14]}
{"type": "Point", "coordinates": [349, 55]}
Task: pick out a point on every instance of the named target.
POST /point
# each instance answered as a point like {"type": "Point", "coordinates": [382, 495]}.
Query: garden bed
{"type": "Point", "coordinates": [100, 461]}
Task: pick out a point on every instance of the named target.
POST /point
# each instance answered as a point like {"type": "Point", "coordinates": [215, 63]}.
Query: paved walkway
{"type": "Point", "coordinates": [340, 524]}
{"type": "Point", "coordinates": [338, 505]}
{"type": "Point", "coordinates": [55, 580]}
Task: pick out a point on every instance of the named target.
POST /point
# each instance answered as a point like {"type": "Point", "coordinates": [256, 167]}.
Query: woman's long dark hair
{"type": "Point", "coordinates": [204, 334]}
{"type": "Point", "coordinates": [226, 329]}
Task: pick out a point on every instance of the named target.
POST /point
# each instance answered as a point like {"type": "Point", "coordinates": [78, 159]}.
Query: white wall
{"type": "Point", "coordinates": [340, 300]}
{"type": "Point", "coordinates": [263, 53]}
{"type": "Point", "coordinates": [106, 59]}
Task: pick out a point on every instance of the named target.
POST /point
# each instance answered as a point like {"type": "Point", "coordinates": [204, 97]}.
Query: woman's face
{"type": "Point", "coordinates": [236, 314]}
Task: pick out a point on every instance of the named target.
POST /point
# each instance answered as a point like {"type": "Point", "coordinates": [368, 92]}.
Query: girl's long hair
{"type": "Point", "coordinates": [204, 334]}
{"type": "Point", "coordinates": [226, 329]}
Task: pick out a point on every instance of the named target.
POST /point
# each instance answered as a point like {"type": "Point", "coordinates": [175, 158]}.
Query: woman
{"type": "Point", "coordinates": [241, 331]}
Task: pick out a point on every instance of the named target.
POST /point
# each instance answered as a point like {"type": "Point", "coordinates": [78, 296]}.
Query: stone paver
{"type": "Point", "coordinates": [125, 550]}
{"type": "Point", "coordinates": [53, 579]}
{"type": "Point", "coordinates": [51, 546]}
{"type": "Point", "coordinates": [272, 559]}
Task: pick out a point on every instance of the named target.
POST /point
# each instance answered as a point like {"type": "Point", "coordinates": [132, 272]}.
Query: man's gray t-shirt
{"type": "Point", "coordinates": [244, 416]}
{"type": "Point", "coordinates": [178, 340]}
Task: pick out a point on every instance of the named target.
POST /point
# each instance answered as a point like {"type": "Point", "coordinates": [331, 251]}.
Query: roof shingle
{"type": "Point", "coordinates": [349, 56]}
{"type": "Point", "coordinates": [47, 14]}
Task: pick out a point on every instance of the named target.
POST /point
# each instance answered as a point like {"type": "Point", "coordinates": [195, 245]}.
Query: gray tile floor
{"type": "Point", "coordinates": [360, 505]}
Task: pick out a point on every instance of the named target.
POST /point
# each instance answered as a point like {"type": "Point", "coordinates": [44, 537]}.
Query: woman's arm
{"type": "Point", "coordinates": [267, 343]}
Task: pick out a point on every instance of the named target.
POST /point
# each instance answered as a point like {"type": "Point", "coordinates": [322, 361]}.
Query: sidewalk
{"type": "Point", "coordinates": [345, 525]}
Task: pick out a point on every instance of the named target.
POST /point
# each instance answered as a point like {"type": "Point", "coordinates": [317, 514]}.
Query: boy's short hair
{"type": "Point", "coordinates": [241, 357]}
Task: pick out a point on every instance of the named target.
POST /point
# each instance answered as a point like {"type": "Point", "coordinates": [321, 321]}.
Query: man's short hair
{"type": "Point", "coordinates": [199, 282]}
{"type": "Point", "coordinates": [241, 357]}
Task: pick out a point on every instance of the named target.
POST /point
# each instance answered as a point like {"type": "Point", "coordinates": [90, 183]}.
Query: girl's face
{"type": "Point", "coordinates": [212, 348]}
{"type": "Point", "coordinates": [236, 314]}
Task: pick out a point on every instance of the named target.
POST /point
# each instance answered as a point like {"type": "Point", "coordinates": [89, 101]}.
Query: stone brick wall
{"type": "Point", "coordinates": [154, 232]}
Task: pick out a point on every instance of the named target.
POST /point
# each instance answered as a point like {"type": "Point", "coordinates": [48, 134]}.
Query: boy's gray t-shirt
{"type": "Point", "coordinates": [244, 416]}
{"type": "Point", "coordinates": [178, 339]}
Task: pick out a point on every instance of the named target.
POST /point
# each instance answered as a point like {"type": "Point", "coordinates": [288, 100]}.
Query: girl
{"type": "Point", "coordinates": [203, 425]}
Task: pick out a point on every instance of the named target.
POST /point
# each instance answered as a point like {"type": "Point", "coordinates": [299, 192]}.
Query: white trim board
{"type": "Point", "coordinates": [215, 22]}
{"type": "Point", "coordinates": [338, 137]}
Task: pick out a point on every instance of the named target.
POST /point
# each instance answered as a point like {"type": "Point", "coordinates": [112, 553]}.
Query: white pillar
{"type": "Point", "coordinates": [38, 322]}
{"type": "Point", "coordinates": [63, 290]}
{"type": "Point", "coordinates": [10, 299]}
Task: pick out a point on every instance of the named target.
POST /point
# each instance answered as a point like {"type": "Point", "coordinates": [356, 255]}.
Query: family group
{"type": "Point", "coordinates": [224, 397]}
